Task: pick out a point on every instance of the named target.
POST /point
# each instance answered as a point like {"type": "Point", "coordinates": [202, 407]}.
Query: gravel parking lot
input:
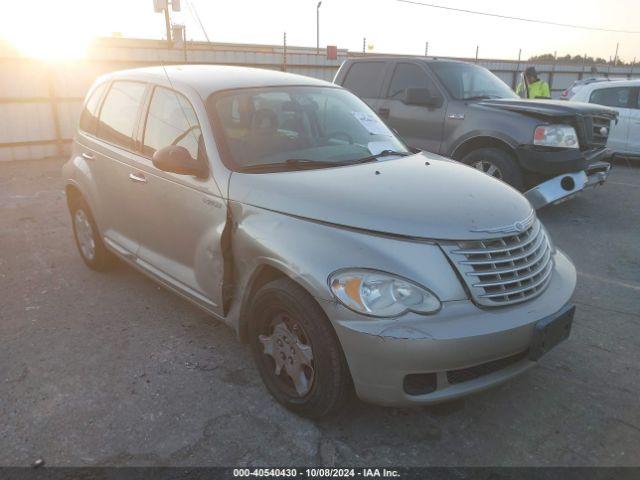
{"type": "Point", "coordinates": [110, 369]}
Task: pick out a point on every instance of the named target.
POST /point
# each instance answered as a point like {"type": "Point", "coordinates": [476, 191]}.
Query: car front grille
{"type": "Point", "coordinates": [595, 135]}
{"type": "Point", "coordinates": [505, 270]}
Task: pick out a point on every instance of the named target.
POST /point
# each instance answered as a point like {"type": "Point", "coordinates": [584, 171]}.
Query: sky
{"type": "Point", "coordinates": [64, 28]}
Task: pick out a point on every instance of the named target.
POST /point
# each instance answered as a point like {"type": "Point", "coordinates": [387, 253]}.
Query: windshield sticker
{"type": "Point", "coordinates": [371, 123]}
{"type": "Point", "coordinates": [378, 147]}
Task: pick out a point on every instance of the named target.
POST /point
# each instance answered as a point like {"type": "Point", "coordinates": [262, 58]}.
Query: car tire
{"type": "Point", "coordinates": [498, 163]}
{"type": "Point", "coordinates": [88, 238]}
{"type": "Point", "coordinates": [287, 323]}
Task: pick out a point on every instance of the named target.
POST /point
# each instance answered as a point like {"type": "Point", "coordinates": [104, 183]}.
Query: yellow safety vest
{"type": "Point", "coordinates": [537, 89]}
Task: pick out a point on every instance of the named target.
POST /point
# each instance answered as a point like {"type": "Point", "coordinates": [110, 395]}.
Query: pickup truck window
{"type": "Point", "coordinates": [365, 79]}
{"type": "Point", "coordinates": [465, 81]}
{"type": "Point", "coordinates": [293, 127]}
{"type": "Point", "coordinates": [407, 75]}
{"type": "Point", "coordinates": [611, 97]}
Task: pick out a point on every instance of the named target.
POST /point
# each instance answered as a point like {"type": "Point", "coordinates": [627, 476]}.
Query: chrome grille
{"type": "Point", "coordinates": [504, 270]}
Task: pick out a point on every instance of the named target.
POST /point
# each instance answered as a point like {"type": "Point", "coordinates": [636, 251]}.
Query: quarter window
{"type": "Point", "coordinates": [406, 76]}
{"type": "Point", "coordinates": [611, 97]}
{"type": "Point", "coordinates": [365, 79]}
{"type": "Point", "coordinates": [171, 121]}
{"type": "Point", "coordinates": [89, 115]}
{"type": "Point", "coordinates": [119, 113]}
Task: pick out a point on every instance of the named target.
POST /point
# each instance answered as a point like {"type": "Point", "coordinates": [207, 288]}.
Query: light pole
{"type": "Point", "coordinates": [318, 27]}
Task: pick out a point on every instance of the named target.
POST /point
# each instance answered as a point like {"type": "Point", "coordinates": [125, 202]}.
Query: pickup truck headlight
{"type": "Point", "coordinates": [563, 136]}
{"type": "Point", "coordinates": [380, 294]}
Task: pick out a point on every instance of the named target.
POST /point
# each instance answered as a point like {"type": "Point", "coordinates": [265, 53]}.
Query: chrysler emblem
{"type": "Point", "coordinates": [517, 227]}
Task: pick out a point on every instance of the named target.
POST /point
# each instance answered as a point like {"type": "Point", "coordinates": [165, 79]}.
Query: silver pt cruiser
{"type": "Point", "coordinates": [283, 206]}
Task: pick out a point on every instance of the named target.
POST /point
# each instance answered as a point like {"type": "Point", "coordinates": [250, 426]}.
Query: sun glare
{"type": "Point", "coordinates": [42, 30]}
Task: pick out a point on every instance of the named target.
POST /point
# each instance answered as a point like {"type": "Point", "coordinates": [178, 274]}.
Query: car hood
{"type": "Point", "coordinates": [422, 195]}
{"type": "Point", "coordinates": [549, 108]}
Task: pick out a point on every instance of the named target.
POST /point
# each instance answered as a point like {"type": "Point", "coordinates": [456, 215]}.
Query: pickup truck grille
{"type": "Point", "coordinates": [504, 270]}
{"type": "Point", "coordinates": [593, 131]}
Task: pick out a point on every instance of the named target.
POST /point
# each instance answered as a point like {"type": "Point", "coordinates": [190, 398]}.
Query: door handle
{"type": "Point", "coordinates": [383, 112]}
{"type": "Point", "coordinates": [88, 156]}
{"type": "Point", "coordinates": [137, 177]}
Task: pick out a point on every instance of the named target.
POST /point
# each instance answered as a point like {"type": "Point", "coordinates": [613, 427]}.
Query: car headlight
{"type": "Point", "coordinates": [380, 294]}
{"type": "Point", "coordinates": [563, 136]}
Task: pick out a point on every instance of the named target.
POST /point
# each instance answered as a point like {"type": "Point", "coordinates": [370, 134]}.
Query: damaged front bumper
{"type": "Point", "coordinates": [563, 187]}
{"type": "Point", "coordinates": [421, 360]}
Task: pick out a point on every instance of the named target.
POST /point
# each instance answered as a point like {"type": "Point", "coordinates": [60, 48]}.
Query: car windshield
{"type": "Point", "coordinates": [295, 127]}
{"type": "Point", "coordinates": [465, 81]}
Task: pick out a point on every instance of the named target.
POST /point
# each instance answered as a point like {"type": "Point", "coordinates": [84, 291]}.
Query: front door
{"type": "Point", "coordinates": [185, 216]}
{"type": "Point", "coordinates": [420, 126]}
{"type": "Point", "coordinates": [633, 132]}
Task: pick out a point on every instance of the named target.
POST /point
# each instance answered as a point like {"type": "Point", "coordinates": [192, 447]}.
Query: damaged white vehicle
{"type": "Point", "coordinates": [284, 207]}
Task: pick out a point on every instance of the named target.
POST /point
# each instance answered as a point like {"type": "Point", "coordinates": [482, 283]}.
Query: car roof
{"type": "Point", "coordinates": [612, 83]}
{"type": "Point", "coordinates": [208, 79]}
{"type": "Point", "coordinates": [404, 58]}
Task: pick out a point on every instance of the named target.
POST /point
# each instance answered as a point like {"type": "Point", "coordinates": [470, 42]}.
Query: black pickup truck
{"type": "Point", "coordinates": [462, 111]}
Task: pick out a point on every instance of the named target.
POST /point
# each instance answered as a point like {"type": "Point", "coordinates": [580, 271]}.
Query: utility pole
{"type": "Point", "coordinates": [364, 45]}
{"type": "Point", "coordinates": [615, 58]}
{"type": "Point", "coordinates": [167, 23]}
{"type": "Point", "coordinates": [318, 27]}
{"type": "Point", "coordinates": [426, 49]}
{"type": "Point", "coordinates": [477, 50]}
{"type": "Point", "coordinates": [284, 52]}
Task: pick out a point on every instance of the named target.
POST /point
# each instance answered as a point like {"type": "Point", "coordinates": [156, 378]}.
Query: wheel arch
{"type": "Point", "coordinates": [482, 141]}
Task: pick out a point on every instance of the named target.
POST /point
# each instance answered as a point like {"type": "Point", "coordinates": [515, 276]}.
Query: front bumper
{"type": "Point", "coordinates": [547, 162]}
{"type": "Point", "coordinates": [381, 353]}
{"type": "Point", "coordinates": [563, 187]}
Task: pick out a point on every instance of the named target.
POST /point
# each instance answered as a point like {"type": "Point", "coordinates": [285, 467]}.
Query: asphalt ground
{"type": "Point", "coordinates": [110, 369]}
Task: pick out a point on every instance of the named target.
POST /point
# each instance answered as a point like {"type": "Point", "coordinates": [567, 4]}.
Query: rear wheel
{"type": "Point", "coordinates": [296, 350]}
{"type": "Point", "coordinates": [87, 236]}
{"type": "Point", "coordinates": [497, 163]}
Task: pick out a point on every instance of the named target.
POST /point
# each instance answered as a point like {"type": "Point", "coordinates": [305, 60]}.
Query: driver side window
{"type": "Point", "coordinates": [408, 75]}
{"type": "Point", "coordinates": [171, 121]}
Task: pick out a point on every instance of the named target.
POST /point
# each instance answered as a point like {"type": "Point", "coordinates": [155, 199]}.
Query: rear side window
{"type": "Point", "coordinates": [171, 121]}
{"type": "Point", "coordinates": [89, 115]}
{"type": "Point", "coordinates": [611, 97]}
{"type": "Point", "coordinates": [365, 79]}
{"type": "Point", "coordinates": [407, 75]}
{"type": "Point", "coordinates": [119, 113]}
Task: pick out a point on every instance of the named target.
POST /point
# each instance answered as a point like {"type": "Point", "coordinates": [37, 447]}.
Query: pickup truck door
{"type": "Point", "coordinates": [420, 126]}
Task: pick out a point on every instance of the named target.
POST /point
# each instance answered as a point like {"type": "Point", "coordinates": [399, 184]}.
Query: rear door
{"type": "Point", "coordinates": [621, 99]}
{"type": "Point", "coordinates": [420, 126]}
{"type": "Point", "coordinates": [365, 79]}
{"type": "Point", "coordinates": [633, 132]}
{"type": "Point", "coordinates": [184, 216]}
{"type": "Point", "coordinates": [113, 150]}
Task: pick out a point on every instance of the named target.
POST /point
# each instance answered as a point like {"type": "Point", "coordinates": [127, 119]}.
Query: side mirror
{"type": "Point", "coordinates": [177, 159]}
{"type": "Point", "coordinates": [422, 97]}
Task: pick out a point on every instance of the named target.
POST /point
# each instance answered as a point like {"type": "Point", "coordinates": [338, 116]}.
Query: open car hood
{"type": "Point", "coordinates": [422, 195]}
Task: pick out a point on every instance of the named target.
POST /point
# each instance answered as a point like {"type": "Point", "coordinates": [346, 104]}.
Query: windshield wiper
{"type": "Point", "coordinates": [383, 153]}
{"type": "Point", "coordinates": [289, 164]}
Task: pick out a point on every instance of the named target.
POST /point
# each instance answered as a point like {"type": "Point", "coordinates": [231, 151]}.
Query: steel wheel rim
{"type": "Point", "coordinates": [84, 234]}
{"type": "Point", "coordinates": [488, 168]}
{"type": "Point", "coordinates": [288, 354]}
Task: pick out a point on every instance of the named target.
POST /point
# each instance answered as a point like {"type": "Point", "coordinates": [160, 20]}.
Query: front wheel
{"type": "Point", "coordinates": [296, 350]}
{"type": "Point", "coordinates": [496, 163]}
{"type": "Point", "coordinates": [87, 237]}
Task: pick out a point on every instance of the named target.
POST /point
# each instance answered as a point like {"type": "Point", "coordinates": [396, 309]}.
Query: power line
{"type": "Point", "coordinates": [194, 14]}
{"type": "Point", "coordinates": [520, 19]}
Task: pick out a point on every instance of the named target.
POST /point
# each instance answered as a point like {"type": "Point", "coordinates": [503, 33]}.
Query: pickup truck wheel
{"type": "Point", "coordinates": [87, 237]}
{"type": "Point", "coordinates": [296, 350]}
{"type": "Point", "coordinates": [497, 163]}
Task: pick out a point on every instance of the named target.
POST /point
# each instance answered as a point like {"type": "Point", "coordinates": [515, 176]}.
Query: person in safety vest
{"type": "Point", "coordinates": [532, 86]}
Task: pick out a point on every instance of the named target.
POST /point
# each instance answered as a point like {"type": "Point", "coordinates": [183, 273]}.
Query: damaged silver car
{"type": "Point", "coordinates": [284, 207]}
